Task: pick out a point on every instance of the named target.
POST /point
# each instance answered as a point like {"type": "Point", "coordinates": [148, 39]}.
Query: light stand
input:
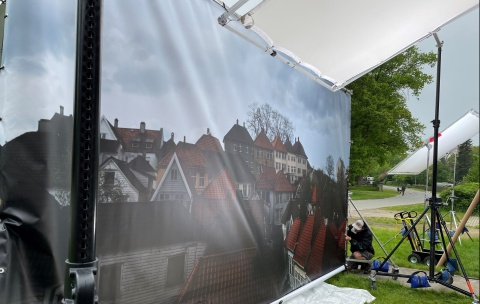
{"type": "Point", "coordinates": [435, 215]}
{"type": "Point", "coordinates": [453, 216]}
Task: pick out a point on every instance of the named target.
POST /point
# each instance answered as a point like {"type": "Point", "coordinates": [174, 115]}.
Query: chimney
{"type": "Point", "coordinates": [61, 110]}
{"type": "Point", "coordinates": [244, 124]}
{"type": "Point", "coordinates": [208, 131]}
{"type": "Point", "coordinates": [115, 124]}
{"type": "Point", "coordinates": [172, 136]}
{"type": "Point", "coordinates": [142, 127]}
{"type": "Point", "coordinates": [237, 121]}
{"type": "Point", "coordinates": [184, 139]}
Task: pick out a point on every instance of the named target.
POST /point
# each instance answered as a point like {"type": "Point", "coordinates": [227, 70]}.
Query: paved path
{"type": "Point", "coordinates": [411, 197]}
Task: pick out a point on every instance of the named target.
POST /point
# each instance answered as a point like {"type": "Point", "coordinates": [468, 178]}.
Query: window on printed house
{"type": "Point", "coordinates": [109, 178]}
{"type": "Point", "coordinates": [234, 147]}
{"type": "Point", "coordinates": [193, 176]}
{"type": "Point", "coordinates": [174, 174]}
{"type": "Point", "coordinates": [246, 149]}
{"type": "Point", "coordinates": [175, 270]}
{"type": "Point", "coordinates": [202, 179]}
{"type": "Point", "coordinates": [240, 148]}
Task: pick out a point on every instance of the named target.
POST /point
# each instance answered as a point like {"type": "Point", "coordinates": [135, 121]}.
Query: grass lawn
{"type": "Point", "coordinates": [370, 192]}
{"type": "Point", "coordinates": [388, 232]}
{"type": "Point", "coordinates": [392, 292]}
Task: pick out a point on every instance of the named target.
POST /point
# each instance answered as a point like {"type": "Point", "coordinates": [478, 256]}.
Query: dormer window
{"type": "Point", "coordinates": [149, 143]}
{"type": "Point", "coordinates": [240, 148]}
{"type": "Point", "coordinates": [135, 142]}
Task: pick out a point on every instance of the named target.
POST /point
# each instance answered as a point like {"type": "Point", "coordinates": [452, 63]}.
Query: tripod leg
{"type": "Point", "coordinates": [454, 219]}
{"type": "Point", "coordinates": [463, 228]}
{"type": "Point", "coordinates": [451, 243]}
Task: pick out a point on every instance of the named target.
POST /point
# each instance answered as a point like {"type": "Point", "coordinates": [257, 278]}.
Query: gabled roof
{"type": "Point", "coordinates": [278, 182]}
{"type": "Point", "coordinates": [240, 276]}
{"type": "Point", "coordinates": [278, 145]}
{"type": "Point", "coordinates": [282, 184]}
{"type": "Point", "coordinates": [127, 173]}
{"type": "Point", "coordinates": [130, 227]}
{"type": "Point", "coordinates": [127, 135]}
{"type": "Point", "coordinates": [189, 154]}
{"type": "Point", "coordinates": [221, 187]}
{"type": "Point", "coordinates": [302, 250]}
{"type": "Point", "coordinates": [292, 236]}
{"type": "Point", "coordinates": [262, 141]}
{"type": "Point", "coordinates": [288, 146]}
{"type": "Point", "coordinates": [314, 265]}
{"type": "Point", "coordinates": [208, 142]}
{"type": "Point", "coordinates": [167, 147]}
{"type": "Point", "coordinates": [140, 164]}
{"type": "Point", "coordinates": [181, 166]}
{"type": "Point", "coordinates": [298, 148]}
{"type": "Point", "coordinates": [266, 180]}
{"type": "Point", "coordinates": [238, 134]}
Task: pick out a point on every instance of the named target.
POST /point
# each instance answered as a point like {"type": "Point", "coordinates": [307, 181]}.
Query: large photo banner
{"type": "Point", "coordinates": [222, 171]}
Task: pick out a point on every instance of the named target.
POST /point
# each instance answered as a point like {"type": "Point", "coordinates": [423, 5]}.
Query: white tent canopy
{"type": "Point", "coordinates": [340, 41]}
{"type": "Point", "coordinates": [459, 132]}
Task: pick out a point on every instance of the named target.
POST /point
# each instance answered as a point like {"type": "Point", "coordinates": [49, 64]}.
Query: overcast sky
{"type": "Point", "coordinates": [459, 75]}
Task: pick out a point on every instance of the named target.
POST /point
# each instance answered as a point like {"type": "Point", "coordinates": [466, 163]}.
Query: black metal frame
{"type": "Point", "coordinates": [433, 205]}
{"type": "Point", "coordinates": [81, 263]}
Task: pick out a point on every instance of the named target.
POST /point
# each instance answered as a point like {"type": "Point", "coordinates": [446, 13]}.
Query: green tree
{"type": "Point", "coordinates": [464, 159]}
{"type": "Point", "coordinates": [110, 191]}
{"type": "Point", "coordinates": [473, 175]}
{"type": "Point", "coordinates": [382, 125]}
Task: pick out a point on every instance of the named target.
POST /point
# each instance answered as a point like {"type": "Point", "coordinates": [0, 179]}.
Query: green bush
{"type": "Point", "coordinates": [465, 193]}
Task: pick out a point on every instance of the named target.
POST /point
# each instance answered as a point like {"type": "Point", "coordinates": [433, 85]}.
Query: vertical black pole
{"type": "Point", "coordinates": [433, 199]}
{"type": "Point", "coordinates": [81, 264]}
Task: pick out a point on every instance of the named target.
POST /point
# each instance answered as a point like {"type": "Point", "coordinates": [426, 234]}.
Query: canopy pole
{"type": "Point", "coordinates": [81, 265]}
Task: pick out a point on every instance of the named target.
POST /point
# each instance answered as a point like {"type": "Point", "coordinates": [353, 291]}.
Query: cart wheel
{"type": "Point", "coordinates": [426, 261]}
{"type": "Point", "coordinates": [395, 271]}
{"type": "Point", "coordinates": [414, 258]}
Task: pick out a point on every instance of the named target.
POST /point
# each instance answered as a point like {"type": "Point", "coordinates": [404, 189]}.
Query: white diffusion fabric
{"type": "Point", "coordinates": [222, 170]}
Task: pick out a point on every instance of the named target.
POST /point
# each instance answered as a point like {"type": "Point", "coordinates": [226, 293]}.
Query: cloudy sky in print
{"type": "Point", "coordinates": [170, 64]}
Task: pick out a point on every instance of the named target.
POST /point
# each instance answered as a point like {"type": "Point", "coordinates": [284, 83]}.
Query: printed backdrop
{"type": "Point", "coordinates": [222, 170]}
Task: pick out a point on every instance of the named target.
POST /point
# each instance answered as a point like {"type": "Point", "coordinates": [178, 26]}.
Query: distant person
{"type": "Point", "coordinates": [403, 189]}
{"type": "Point", "coordinates": [360, 238]}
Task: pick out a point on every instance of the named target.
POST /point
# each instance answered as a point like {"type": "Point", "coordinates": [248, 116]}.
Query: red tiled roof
{"type": "Point", "coordinates": [278, 145]}
{"type": "Point", "coordinates": [314, 266]}
{"type": "Point", "coordinates": [266, 181]}
{"type": "Point", "coordinates": [228, 278]}
{"type": "Point", "coordinates": [282, 184]}
{"type": "Point", "coordinates": [314, 195]}
{"type": "Point", "coordinates": [209, 143]}
{"type": "Point", "coordinates": [292, 236]}
{"type": "Point", "coordinates": [338, 232]}
{"type": "Point", "coordinates": [262, 141]}
{"type": "Point", "coordinates": [304, 242]}
{"type": "Point", "coordinates": [190, 155]}
{"type": "Point", "coordinates": [127, 135]}
{"type": "Point", "coordinates": [222, 187]}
